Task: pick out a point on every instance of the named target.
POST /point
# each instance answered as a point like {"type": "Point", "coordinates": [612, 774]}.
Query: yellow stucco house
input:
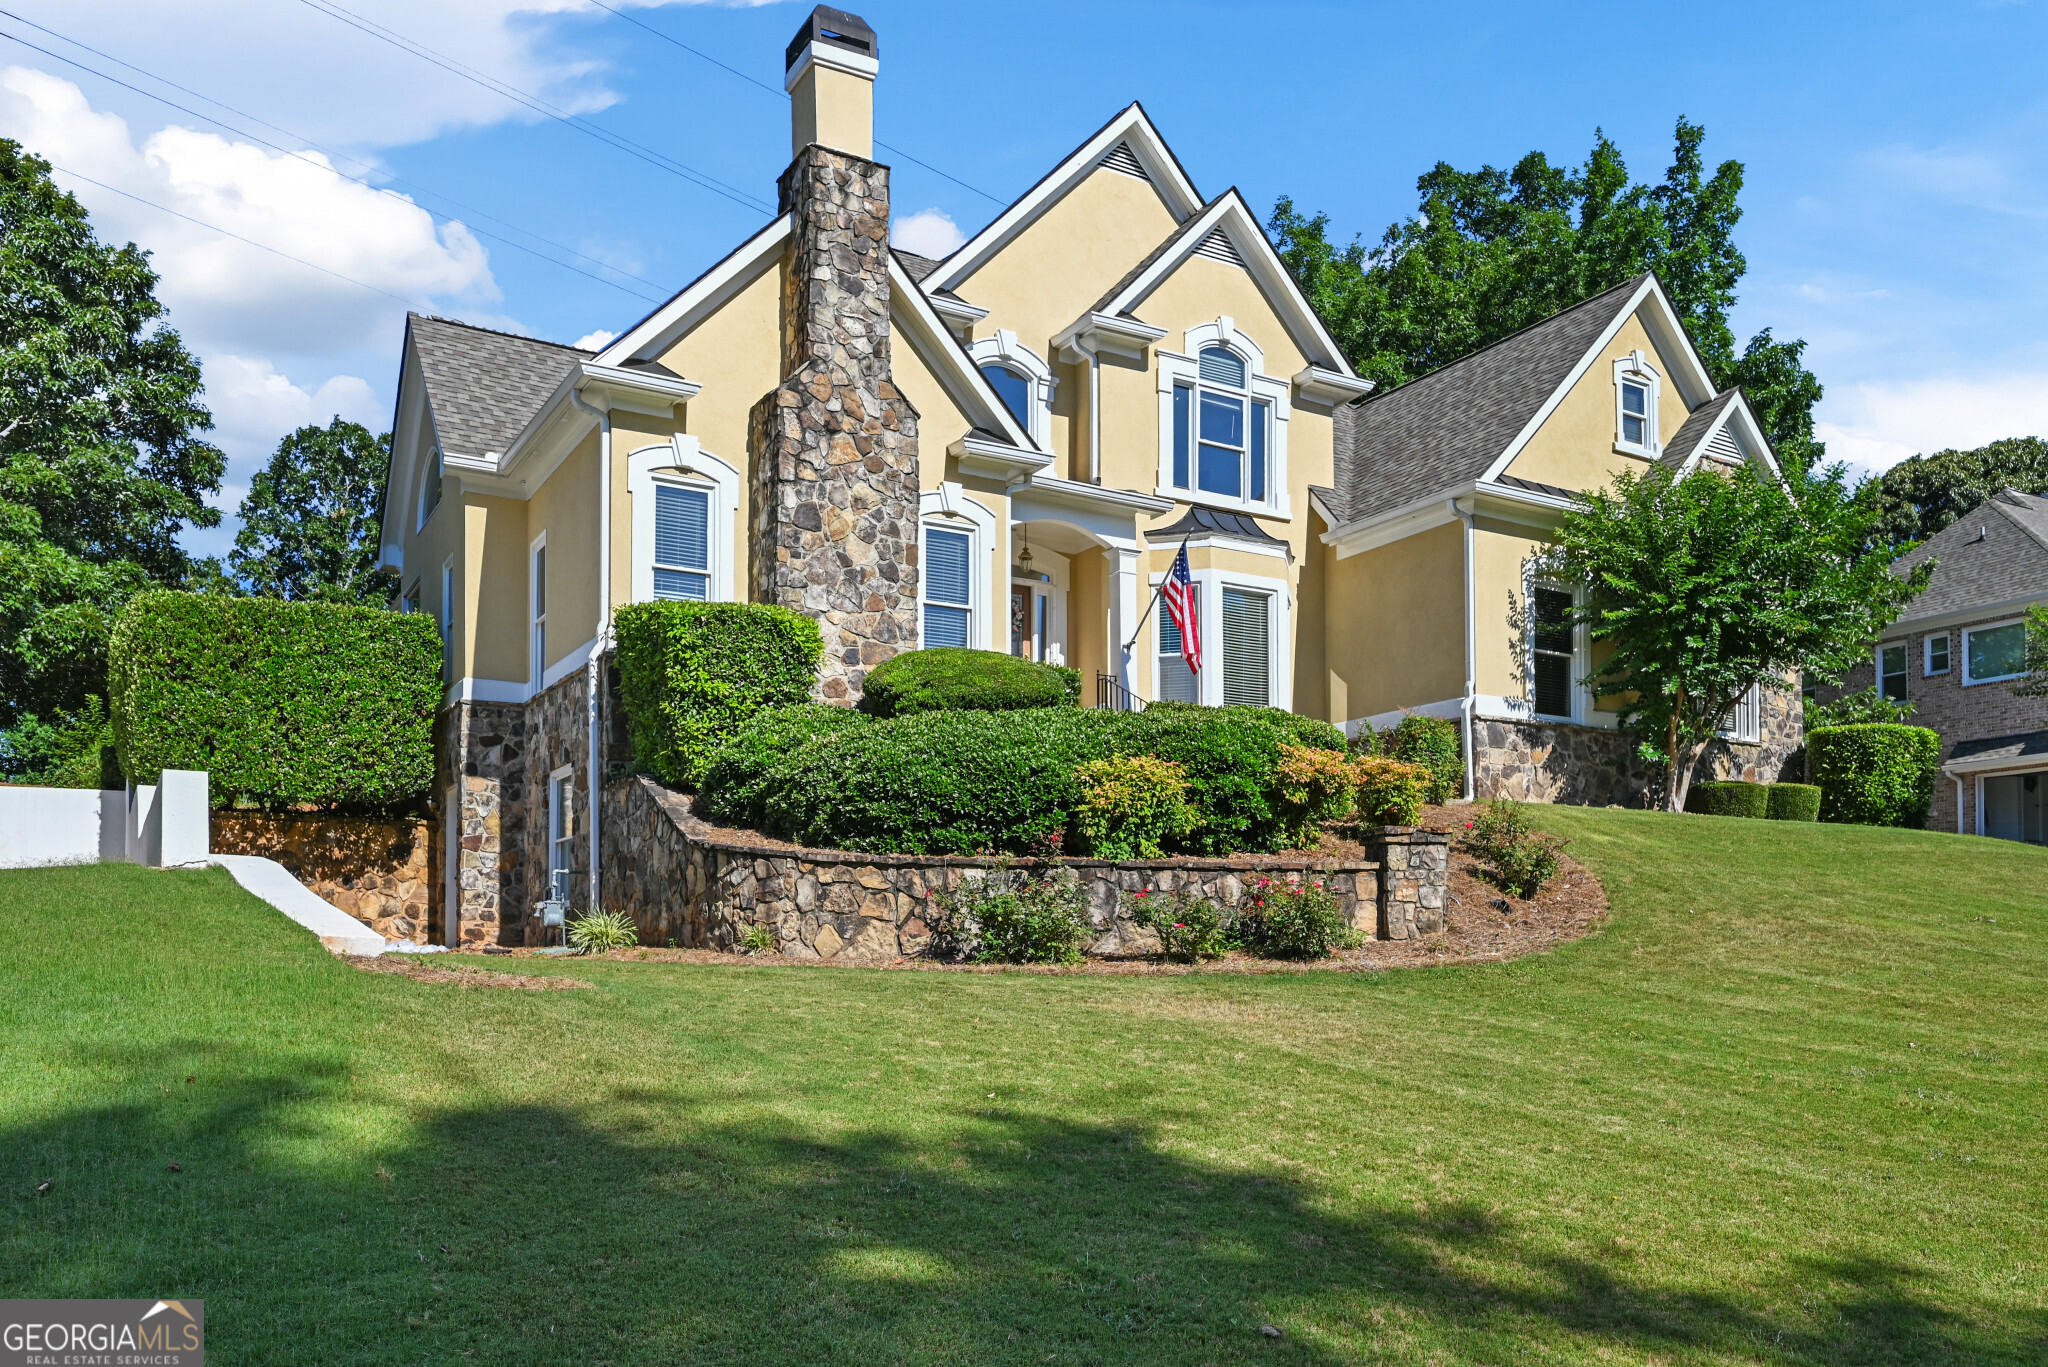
{"type": "Point", "coordinates": [1004, 450]}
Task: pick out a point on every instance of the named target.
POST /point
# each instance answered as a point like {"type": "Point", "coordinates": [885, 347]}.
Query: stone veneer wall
{"type": "Point", "coordinates": [834, 446]}
{"type": "Point", "coordinates": [558, 737]}
{"type": "Point", "coordinates": [684, 881]}
{"type": "Point", "coordinates": [1597, 767]}
{"type": "Point", "coordinates": [482, 749]}
{"type": "Point", "coordinates": [379, 870]}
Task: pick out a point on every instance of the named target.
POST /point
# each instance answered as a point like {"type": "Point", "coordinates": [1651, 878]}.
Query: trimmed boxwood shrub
{"type": "Point", "coordinates": [738, 775]}
{"type": "Point", "coordinates": [283, 704]}
{"type": "Point", "coordinates": [691, 673]}
{"type": "Point", "coordinates": [952, 678]}
{"type": "Point", "coordinates": [1874, 773]}
{"type": "Point", "coordinates": [1728, 799]}
{"type": "Point", "coordinates": [1794, 802]}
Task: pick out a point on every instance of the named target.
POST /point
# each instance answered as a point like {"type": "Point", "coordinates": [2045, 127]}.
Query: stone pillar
{"type": "Point", "coordinates": [1415, 879]}
{"type": "Point", "coordinates": [835, 475]}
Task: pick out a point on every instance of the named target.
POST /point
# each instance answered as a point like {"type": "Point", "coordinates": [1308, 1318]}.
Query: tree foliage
{"type": "Point", "coordinates": [310, 520]}
{"type": "Point", "coordinates": [2035, 684]}
{"type": "Point", "coordinates": [1922, 495]}
{"type": "Point", "coordinates": [1707, 585]}
{"type": "Point", "coordinates": [1491, 251]}
{"type": "Point", "coordinates": [102, 462]}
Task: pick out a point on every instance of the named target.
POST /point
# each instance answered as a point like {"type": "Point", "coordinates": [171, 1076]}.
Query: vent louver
{"type": "Point", "coordinates": [1217, 247]}
{"type": "Point", "coordinates": [1122, 159]}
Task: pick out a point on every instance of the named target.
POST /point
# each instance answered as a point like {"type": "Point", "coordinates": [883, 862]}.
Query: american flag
{"type": "Point", "coordinates": [1178, 593]}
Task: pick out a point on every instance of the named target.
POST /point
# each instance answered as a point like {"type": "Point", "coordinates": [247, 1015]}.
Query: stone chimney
{"type": "Point", "coordinates": [834, 446]}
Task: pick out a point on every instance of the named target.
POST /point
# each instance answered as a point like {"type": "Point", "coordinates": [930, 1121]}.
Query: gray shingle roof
{"type": "Point", "coordinates": [483, 387]}
{"type": "Point", "coordinates": [1995, 553]}
{"type": "Point", "coordinates": [918, 266]}
{"type": "Point", "coordinates": [1443, 429]}
{"type": "Point", "coordinates": [2026, 745]}
{"type": "Point", "coordinates": [1680, 448]}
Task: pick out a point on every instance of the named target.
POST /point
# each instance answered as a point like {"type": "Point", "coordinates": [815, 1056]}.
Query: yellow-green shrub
{"type": "Point", "coordinates": [1129, 804]}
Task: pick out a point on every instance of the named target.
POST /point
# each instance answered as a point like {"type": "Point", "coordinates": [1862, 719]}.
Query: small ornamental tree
{"type": "Point", "coordinates": [1707, 585]}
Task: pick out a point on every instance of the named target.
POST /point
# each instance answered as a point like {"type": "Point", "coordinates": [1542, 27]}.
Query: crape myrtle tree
{"type": "Point", "coordinates": [102, 457]}
{"type": "Point", "coordinates": [1706, 585]}
{"type": "Point", "coordinates": [1491, 251]}
{"type": "Point", "coordinates": [310, 520]}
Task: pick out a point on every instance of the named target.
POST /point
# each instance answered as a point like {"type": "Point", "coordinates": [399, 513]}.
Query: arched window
{"type": "Point", "coordinates": [1221, 430]}
{"type": "Point", "coordinates": [430, 487]}
{"type": "Point", "coordinates": [1020, 378]}
{"type": "Point", "coordinates": [1013, 389]}
{"type": "Point", "coordinates": [684, 502]}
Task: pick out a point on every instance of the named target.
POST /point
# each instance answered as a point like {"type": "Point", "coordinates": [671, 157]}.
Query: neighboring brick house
{"type": "Point", "coordinates": [1955, 655]}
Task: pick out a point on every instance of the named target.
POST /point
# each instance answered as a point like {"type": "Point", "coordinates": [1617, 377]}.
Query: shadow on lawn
{"type": "Point", "coordinates": [528, 1234]}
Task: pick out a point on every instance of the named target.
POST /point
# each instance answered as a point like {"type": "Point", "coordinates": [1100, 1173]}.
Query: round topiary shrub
{"type": "Point", "coordinates": [1794, 802]}
{"type": "Point", "coordinates": [954, 679]}
{"type": "Point", "coordinates": [1729, 799]}
{"type": "Point", "coordinates": [739, 773]}
{"type": "Point", "coordinates": [1874, 773]}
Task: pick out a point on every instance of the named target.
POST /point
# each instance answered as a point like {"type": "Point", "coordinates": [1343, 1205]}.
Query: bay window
{"type": "Point", "coordinates": [1247, 648]}
{"type": "Point", "coordinates": [1177, 682]}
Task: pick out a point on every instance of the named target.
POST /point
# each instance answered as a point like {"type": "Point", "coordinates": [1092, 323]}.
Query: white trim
{"type": "Point", "coordinates": [561, 793]}
{"type": "Point", "coordinates": [1958, 617]}
{"type": "Point", "coordinates": [1746, 721]}
{"type": "Point", "coordinates": [1130, 125]}
{"type": "Point", "coordinates": [431, 465]}
{"type": "Point", "coordinates": [1105, 334]}
{"type": "Point", "coordinates": [1993, 764]}
{"type": "Point", "coordinates": [1209, 585]}
{"type": "Point", "coordinates": [652, 336]}
{"type": "Point", "coordinates": [1485, 707]}
{"type": "Point", "coordinates": [567, 665]}
{"type": "Point", "coordinates": [1314, 384]}
{"type": "Point", "coordinates": [1968, 632]}
{"type": "Point", "coordinates": [1877, 675]}
{"type": "Point", "coordinates": [1948, 651]}
{"type": "Point", "coordinates": [680, 460]}
{"type": "Point", "coordinates": [1177, 369]}
{"type": "Point", "coordinates": [536, 609]}
{"type": "Point", "coordinates": [1097, 497]}
{"type": "Point", "coordinates": [832, 58]}
{"type": "Point", "coordinates": [948, 508]}
{"type": "Point", "coordinates": [1635, 368]}
{"type": "Point", "coordinates": [1003, 349]}
{"type": "Point", "coordinates": [992, 459]}
{"type": "Point", "coordinates": [488, 690]}
{"type": "Point", "coordinates": [1581, 656]}
{"type": "Point", "coordinates": [911, 314]}
{"type": "Point", "coordinates": [447, 616]}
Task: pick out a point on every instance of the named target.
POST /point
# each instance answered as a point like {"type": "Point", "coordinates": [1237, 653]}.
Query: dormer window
{"type": "Point", "coordinates": [1636, 384]}
{"type": "Point", "coordinates": [1021, 379]}
{"type": "Point", "coordinates": [1013, 389]}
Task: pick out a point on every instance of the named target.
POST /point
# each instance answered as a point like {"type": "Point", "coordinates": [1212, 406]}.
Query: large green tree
{"type": "Point", "coordinates": [310, 521]}
{"type": "Point", "coordinates": [1922, 495]}
{"type": "Point", "coordinates": [1491, 251]}
{"type": "Point", "coordinates": [102, 457]}
{"type": "Point", "coordinates": [1708, 585]}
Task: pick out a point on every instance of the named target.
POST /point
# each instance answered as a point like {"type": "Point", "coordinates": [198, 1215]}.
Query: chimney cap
{"type": "Point", "coordinates": [832, 28]}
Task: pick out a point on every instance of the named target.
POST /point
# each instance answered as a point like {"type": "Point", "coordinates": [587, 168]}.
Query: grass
{"type": "Point", "coordinates": [1787, 1108]}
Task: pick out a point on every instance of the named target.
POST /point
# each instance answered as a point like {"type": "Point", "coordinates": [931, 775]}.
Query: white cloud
{"type": "Point", "coordinates": [1874, 426]}
{"type": "Point", "coordinates": [928, 232]}
{"type": "Point", "coordinates": [593, 341]}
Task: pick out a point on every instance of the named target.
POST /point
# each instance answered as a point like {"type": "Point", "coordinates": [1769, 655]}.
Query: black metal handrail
{"type": "Point", "coordinates": [1110, 693]}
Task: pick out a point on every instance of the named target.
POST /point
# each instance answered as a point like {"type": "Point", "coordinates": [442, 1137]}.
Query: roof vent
{"type": "Point", "coordinates": [1722, 447]}
{"type": "Point", "coordinates": [1217, 246]}
{"type": "Point", "coordinates": [1121, 158]}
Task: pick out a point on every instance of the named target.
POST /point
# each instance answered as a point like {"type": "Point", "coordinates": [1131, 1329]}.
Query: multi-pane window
{"type": "Point", "coordinates": [1552, 653]}
{"type": "Point", "coordinates": [682, 543]}
{"type": "Point", "coordinates": [1247, 648]}
{"type": "Point", "coordinates": [540, 613]}
{"type": "Point", "coordinates": [1891, 671]}
{"type": "Point", "coordinates": [1635, 412]}
{"type": "Point", "coordinates": [1176, 681]}
{"type": "Point", "coordinates": [561, 834]}
{"type": "Point", "coordinates": [1746, 719]}
{"type": "Point", "coordinates": [1993, 653]}
{"type": "Point", "coordinates": [1220, 432]}
{"type": "Point", "coordinates": [948, 601]}
{"type": "Point", "coordinates": [1937, 654]}
{"type": "Point", "coordinates": [1013, 389]}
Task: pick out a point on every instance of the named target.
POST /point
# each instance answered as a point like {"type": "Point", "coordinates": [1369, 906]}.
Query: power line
{"type": "Point", "coordinates": [332, 152]}
{"type": "Point", "coordinates": [751, 80]}
{"type": "Point", "coordinates": [511, 92]}
{"type": "Point", "coordinates": [409, 303]}
{"type": "Point", "coordinates": [300, 156]}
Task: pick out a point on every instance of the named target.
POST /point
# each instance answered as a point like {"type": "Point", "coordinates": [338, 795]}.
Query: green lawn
{"type": "Point", "coordinates": [1787, 1107]}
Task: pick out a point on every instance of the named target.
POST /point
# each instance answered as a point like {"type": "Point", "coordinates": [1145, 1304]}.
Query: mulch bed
{"type": "Point", "coordinates": [421, 968]}
{"type": "Point", "coordinates": [1484, 925]}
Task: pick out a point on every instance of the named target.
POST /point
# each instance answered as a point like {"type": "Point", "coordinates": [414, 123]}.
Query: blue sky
{"type": "Point", "coordinates": [1896, 201]}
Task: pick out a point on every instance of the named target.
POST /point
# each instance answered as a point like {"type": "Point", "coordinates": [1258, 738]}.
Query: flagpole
{"type": "Point", "coordinates": [1153, 602]}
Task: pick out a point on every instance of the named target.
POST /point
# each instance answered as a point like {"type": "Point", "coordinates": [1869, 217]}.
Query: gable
{"type": "Point", "coordinates": [1994, 556]}
{"type": "Point", "coordinates": [1574, 446]}
{"type": "Point", "coordinates": [1201, 288]}
{"type": "Point", "coordinates": [735, 352]}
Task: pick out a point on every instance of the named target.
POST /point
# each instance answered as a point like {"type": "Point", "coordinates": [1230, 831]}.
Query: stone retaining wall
{"type": "Point", "coordinates": [684, 881]}
{"type": "Point", "coordinates": [378, 870]}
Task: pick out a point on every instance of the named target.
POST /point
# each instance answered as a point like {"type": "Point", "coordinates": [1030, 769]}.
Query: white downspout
{"type": "Point", "coordinates": [1094, 416]}
{"type": "Point", "coordinates": [1959, 804]}
{"type": "Point", "coordinates": [594, 779]}
{"type": "Point", "coordinates": [1465, 707]}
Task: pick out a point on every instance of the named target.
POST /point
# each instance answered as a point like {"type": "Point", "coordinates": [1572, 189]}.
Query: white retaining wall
{"type": "Point", "coordinates": [61, 826]}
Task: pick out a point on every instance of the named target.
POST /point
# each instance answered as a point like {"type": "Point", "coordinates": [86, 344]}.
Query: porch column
{"type": "Point", "coordinates": [1127, 592]}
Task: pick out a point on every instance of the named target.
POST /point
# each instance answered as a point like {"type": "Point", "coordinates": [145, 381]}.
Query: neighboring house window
{"type": "Point", "coordinates": [1994, 653]}
{"type": "Point", "coordinates": [948, 587]}
{"type": "Point", "coordinates": [1636, 385]}
{"type": "Point", "coordinates": [1552, 652]}
{"type": "Point", "coordinates": [1177, 683]}
{"type": "Point", "coordinates": [561, 832]}
{"type": "Point", "coordinates": [1021, 379]}
{"type": "Point", "coordinates": [1220, 431]}
{"type": "Point", "coordinates": [1891, 671]}
{"type": "Point", "coordinates": [538, 591]}
{"type": "Point", "coordinates": [430, 487]}
{"type": "Point", "coordinates": [682, 543]}
{"type": "Point", "coordinates": [1746, 721]}
{"type": "Point", "coordinates": [1247, 648]}
{"type": "Point", "coordinates": [1937, 654]}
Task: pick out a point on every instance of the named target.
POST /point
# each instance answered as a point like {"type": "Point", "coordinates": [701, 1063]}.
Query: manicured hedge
{"type": "Point", "coordinates": [283, 704]}
{"type": "Point", "coordinates": [951, 678]}
{"type": "Point", "coordinates": [740, 771]}
{"type": "Point", "coordinates": [1794, 802]}
{"type": "Point", "coordinates": [691, 673]}
{"type": "Point", "coordinates": [1728, 799]}
{"type": "Point", "coordinates": [1874, 773]}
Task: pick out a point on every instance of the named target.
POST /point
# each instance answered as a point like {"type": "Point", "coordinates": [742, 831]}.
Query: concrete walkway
{"type": "Point", "coordinates": [340, 932]}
